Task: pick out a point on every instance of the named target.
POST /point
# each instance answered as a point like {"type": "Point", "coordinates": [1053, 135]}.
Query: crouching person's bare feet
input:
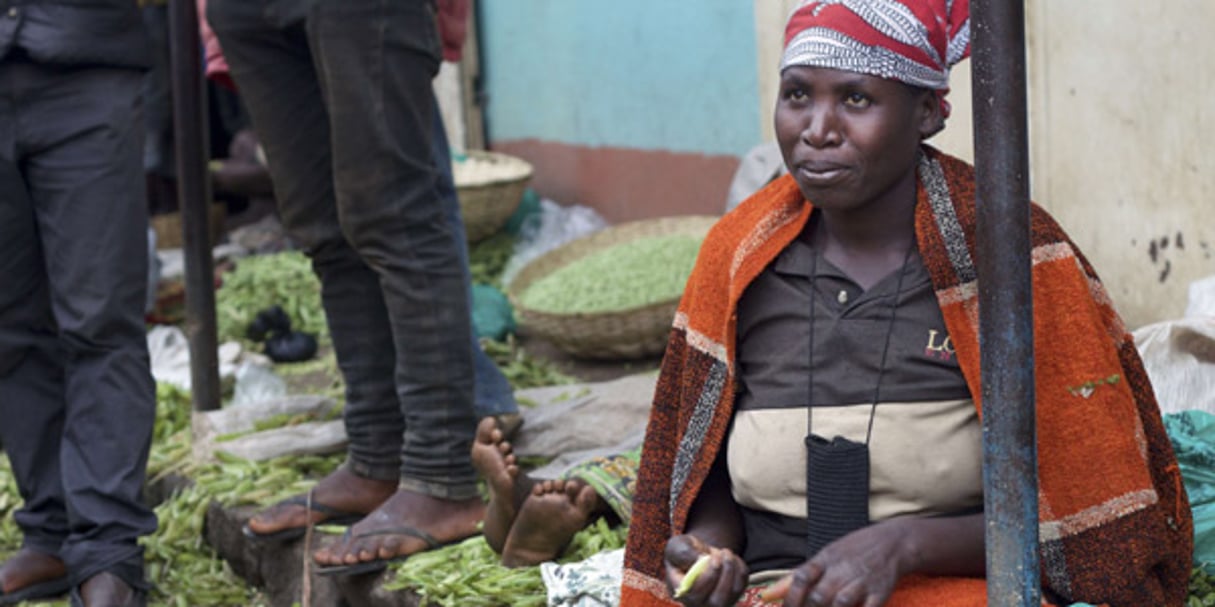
{"type": "Point", "coordinates": [548, 520]}
{"type": "Point", "coordinates": [495, 461]}
{"type": "Point", "coordinates": [408, 523]}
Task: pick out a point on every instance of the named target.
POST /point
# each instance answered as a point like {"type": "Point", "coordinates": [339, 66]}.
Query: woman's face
{"type": "Point", "coordinates": [847, 138]}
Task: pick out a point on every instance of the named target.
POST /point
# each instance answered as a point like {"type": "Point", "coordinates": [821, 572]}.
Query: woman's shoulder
{"type": "Point", "coordinates": [758, 215]}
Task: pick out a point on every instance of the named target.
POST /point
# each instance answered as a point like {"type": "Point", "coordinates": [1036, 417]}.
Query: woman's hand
{"type": "Point", "coordinates": [719, 584]}
{"type": "Point", "coordinates": [862, 568]}
{"type": "Point", "coordinates": [857, 570]}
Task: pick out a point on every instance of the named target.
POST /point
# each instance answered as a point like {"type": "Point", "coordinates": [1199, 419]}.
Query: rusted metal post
{"type": "Point", "coordinates": [193, 193]}
{"type": "Point", "coordinates": [1006, 332]}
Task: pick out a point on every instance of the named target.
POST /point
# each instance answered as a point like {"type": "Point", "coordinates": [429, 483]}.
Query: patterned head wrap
{"type": "Point", "coordinates": [912, 41]}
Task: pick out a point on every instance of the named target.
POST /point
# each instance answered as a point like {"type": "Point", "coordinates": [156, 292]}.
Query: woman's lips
{"type": "Point", "coordinates": [820, 174]}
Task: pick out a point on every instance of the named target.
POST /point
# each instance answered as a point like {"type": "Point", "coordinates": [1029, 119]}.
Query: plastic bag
{"type": "Point", "coordinates": [1179, 355]}
{"type": "Point", "coordinates": [169, 354]}
{"type": "Point", "coordinates": [552, 227]}
{"type": "Point", "coordinates": [256, 383]}
{"type": "Point", "coordinates": [492, 315]}
{"type": "Point", "coordinates": [1193, 436]}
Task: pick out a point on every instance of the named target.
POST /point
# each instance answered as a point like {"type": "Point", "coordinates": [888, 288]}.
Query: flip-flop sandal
{"type": "Point", "coordinates": [333, 516]}
{"type": "Point", "coordinates": [41, 590]}
{"type": "Point", "coordinates": [378, 565]}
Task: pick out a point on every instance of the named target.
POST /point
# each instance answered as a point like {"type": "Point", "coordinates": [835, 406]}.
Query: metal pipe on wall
{"type": "Point", "coordinates": [194, 195]}
{"type": "Point", "coordinates": [1006, 337]}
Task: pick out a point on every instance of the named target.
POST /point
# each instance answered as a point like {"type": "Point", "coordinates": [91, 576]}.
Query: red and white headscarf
{"type": "Point", "coordinates": [912, 41]}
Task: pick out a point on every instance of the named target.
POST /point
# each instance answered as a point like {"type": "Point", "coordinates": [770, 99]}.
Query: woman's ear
{"type": "Point", "coordinates": [930, 113]}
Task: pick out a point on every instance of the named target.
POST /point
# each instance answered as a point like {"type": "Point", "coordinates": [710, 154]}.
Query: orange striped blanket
{"type": "Point", "coordinates": [1115, 525]}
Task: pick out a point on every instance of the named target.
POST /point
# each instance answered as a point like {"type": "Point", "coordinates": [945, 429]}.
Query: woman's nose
{"type": "Point", "coordinates": [821, 127]}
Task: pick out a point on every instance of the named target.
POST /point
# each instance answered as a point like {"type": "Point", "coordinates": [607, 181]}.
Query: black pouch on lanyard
{"type": "Point", "coordinates": [837, 489]}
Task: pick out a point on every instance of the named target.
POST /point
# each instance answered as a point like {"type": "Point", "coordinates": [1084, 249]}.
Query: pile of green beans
{"type": "Point", "coordinates": [622, 277]}
{"type": "Point", "coordinates": [261, 281]}
{"type": "Point", "coordinates": [487, 259]}
{"type": "Point", "coordinates": [1202, 589]}
{"type": "Point", "coordinates": [520, 368]}
{"type": "Point", "coordinates": [468, 574]}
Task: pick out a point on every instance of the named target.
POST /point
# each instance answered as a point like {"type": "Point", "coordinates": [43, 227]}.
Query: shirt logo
{"type": "Point", "coordinates": [939, 346]}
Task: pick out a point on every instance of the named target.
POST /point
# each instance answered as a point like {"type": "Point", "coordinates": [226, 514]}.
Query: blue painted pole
{"type": "Point", "coordinates": [1006, 335]}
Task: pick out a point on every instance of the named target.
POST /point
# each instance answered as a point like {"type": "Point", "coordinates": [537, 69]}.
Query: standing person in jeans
{"type": "Point", "coordinates": [339, 91]}
{"type": "Point", "coordinates": [77, 400]}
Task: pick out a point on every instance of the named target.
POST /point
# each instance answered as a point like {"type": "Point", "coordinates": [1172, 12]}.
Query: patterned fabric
{"type": "Point", "coordinates": [1115, 526]}
{"type": "Point", "coordinates": [614, 478]}
{"type": "Point", "coordinates": [911, 41]}
{"type": "Point", "coordinates": [594, 582]}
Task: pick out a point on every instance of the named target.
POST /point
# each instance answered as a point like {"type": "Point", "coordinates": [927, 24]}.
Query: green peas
{"type": "Point", "coordinates": [625, 276]}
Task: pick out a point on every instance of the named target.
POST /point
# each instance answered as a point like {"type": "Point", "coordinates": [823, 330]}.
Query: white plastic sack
{"type": "Point", "coordinates": [169, 352]}
{"type": "Point", "coordinates": [552, 227]}
{"type": "Point", "coordinates": [1179, 355]}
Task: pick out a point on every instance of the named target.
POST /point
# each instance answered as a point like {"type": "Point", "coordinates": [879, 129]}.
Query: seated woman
{"type": "Point", "coordinates": [815, 429]}
{"type": "Point", "coordinates": [530, 521]}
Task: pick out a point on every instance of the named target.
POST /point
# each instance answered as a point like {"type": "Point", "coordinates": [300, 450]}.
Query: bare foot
{"type": "Point", "coordinates": [494, 460]}
{"type": "Point", "coordinates": [342, 491]}
{"type": "Point", "coordinates": [371, 539]}
{"type": "Point", "coordinates": [548, 520]}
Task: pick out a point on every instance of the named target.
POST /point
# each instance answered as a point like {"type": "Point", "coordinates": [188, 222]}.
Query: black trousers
{"type": "Point", "coordinates": [339, 91]}
{"type": "Point", "coordinates": [77, 400]}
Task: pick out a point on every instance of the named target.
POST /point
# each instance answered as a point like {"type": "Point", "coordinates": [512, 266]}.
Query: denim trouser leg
{"type": "Point", "coordinates": [494, 395]}
{"type": "Point", "coordinates": [341, 99]}
{"type": "Point", "coordinates": [79, 404]}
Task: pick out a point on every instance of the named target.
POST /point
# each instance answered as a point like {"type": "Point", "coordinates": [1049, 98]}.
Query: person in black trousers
{"type": "Point", "coordinates": [339, 92]}
{"type": "Point", "coordinates": [77, 401]}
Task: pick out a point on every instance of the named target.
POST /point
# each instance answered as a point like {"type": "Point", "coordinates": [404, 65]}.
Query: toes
{"type": "Point", "coordinates": [390, 547]}
{"type": "Point", "coordinates": [571, 490]}
{"type": "Point", "coordinates": [485, 430]}
{"type": "Point", "coordinates": [324, 556]}
{"type": "Point", "coordinates": [585, 500]}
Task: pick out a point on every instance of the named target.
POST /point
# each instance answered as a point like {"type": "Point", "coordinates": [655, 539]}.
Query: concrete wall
{"type": "Point", "coordinates": [1122, 128]}
{"type": "Point", "coordinates": [634, 107]}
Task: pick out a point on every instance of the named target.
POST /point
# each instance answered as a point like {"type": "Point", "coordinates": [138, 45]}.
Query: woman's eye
{"type": "Point", "coordinates": [856, 100]}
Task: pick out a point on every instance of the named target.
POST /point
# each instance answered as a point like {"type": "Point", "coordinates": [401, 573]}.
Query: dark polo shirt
{"type": "Point", "coordinates": [926, 443]}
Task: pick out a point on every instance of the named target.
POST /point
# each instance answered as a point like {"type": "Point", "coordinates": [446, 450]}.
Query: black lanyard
{"type": "Point", "coordinates": [837, 470]}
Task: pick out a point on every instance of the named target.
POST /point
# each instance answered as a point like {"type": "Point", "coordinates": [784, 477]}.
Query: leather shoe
{"type": "Point", "coordinates": [30, 575]}
{"type": "Point", "coordinates": [107, 590]}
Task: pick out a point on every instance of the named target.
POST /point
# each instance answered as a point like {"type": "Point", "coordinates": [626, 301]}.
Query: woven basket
{"type": "Point", "coordinates": [487, 202]}
{"type": "Point", "coordinates": [618, 335]}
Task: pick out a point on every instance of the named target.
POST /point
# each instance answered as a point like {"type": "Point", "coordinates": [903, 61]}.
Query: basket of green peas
{"type": "Point", "coordinates": [611, 295]}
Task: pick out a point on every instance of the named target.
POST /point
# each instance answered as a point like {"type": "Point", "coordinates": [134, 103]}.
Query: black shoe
{"type": "Point", "coordinates": [107, 590]}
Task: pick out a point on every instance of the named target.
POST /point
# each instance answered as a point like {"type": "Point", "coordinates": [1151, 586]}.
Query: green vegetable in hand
{"type": "Point", "coordinates": [692, 575]}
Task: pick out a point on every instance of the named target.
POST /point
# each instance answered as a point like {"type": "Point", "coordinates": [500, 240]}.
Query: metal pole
{"type": "Point", "coordinates": [193, 192]}
{"type": "Point", "coordinates": [1006, 335]}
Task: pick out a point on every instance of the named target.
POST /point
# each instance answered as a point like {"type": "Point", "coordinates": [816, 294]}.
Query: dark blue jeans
{"type": "Point", "coordinates": [77, 401]}
{"type": "Point", "coordinates": [494, 394]}
{"type": "Point", "coordinates": [339, 92]}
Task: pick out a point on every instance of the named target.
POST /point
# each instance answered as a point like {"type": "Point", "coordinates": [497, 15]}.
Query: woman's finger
{"type": "Point", "coordinates": [802, 582]}
{"type": "Point", "coordinates": [852, 594]}
{"type": "Point", "coordinates": [723, 594]}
